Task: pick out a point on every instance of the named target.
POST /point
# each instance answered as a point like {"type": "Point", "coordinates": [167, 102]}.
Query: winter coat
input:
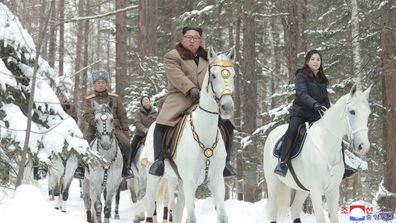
{"type": "Point", "coordinates": [308, 92]}
{"type": "Point", "coordinates": [119, 115]}
{"type": "Point", "coordinates": [183, 74]}
{"type": "Point", "coordinates": [143, 120]}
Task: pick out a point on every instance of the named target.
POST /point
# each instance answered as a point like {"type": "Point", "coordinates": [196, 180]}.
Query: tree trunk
{"type": "Point", "coordinates": [61, 8]}
{"type": "Point", "coordinates": [238, 90]}
{"type": "Point", "coordinates": [77, 96]}
{"type": "Point", "coordinates": [175, 13]}
{"type": "Point", "coordinates": [147, 28]}
{"type": "Point", "coordinates": [121, 46]}
{"type": "Point", "coordinates": [52, 35]}
{"type": "Point", "coordinates": [388, 45]}
{"type": "Point", "coordinates": [355, 43]}
{"type": "Point", "coordinates": [42, 34]}
{"type": "Point", "coordinates": [84, 80]}
{"type": "Point", "coordinates": [248, 68]}
{"type": "Point", "coordinates": [292, 38]}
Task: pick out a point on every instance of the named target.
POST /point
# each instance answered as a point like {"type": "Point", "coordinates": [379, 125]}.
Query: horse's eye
{"type": "Point", "coordinates": [352, 112]}
{"type": "Point", "coordinates": [213, 76]}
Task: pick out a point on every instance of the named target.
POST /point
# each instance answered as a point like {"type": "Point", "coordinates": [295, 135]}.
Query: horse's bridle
{"type": "Point", "coordinates": [351, 131]}
{"type": "Point", "coordinates": [104, 118]}
{"type": "Point", "coordinates": [225, 73]}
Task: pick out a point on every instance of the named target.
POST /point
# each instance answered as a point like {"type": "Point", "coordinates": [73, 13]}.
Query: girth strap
{"type": "Point", "coordinates": [293, 173]}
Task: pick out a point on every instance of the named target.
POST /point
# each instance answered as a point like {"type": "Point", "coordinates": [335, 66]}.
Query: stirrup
{"type": "Point", "coordinates": [127, 173]}
{"type": "Point", "coordinates": [229, 171]}
{"type": "Point", "coordinates": [157, 168]}
{"type": "Point", "coordinates": [281, 169]}
{"type": "Point", "coordinates": [349, 171]}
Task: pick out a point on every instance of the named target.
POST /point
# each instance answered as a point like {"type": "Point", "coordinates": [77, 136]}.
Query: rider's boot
{"type": "Point", "coordinates": [229, 171]}
{"type": "Point", "coordinates": [349, 171]}
{"type": "Point", "coordinates": [281, 168]}
{"type": "Point", "coordinates": [126, 167]}
{"type": "Point", "coordinates": [158, 167]}
{"type": "Point", "coordinates": [80, 172]}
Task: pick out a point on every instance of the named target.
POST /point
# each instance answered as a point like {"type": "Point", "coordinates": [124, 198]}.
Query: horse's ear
{"type": "Point", "coordinates": [231, 54]}
{"type": "Point", "coordinates": [367, 92]}
{"type": "Point", "coordinates": [353, 90]}
{"type": "Point", "coordinates": [211, 54]}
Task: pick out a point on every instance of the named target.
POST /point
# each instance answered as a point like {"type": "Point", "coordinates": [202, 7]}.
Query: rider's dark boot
{"type": "Point", "coordinates": [158, 167]}
{"type": "Point", "coordinates": [80, 172]}
{"type": "Point", "coordinates": [349, 171]}
{"type": "Point", "coordinates": [281, 168]}
{"type": "Point", "coordinates": [229, 171]}
{"type": "Point", "coordinates": [126, 167]}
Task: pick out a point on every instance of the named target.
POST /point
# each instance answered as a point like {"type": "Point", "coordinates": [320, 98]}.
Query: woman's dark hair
{"type": "Point", "coordinates": [305, 69]}
{"type": "Point", "coordinates": [141, 99]}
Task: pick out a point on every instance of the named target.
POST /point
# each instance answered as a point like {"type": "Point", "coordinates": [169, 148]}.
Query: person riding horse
{"type": "Point", "coordinates": [144, 117]}
{"type": "Point", "coordinates": [311, 100]}
{"type": "Point", "coordinates": [185, 69]}
{"type": "Point", "coordinates": [101, 95]}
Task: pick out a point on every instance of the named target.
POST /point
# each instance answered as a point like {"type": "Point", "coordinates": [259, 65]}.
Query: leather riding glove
{"type": "Point", "coordinates": [319, 108]}
{"type": "Point", "coordinates": [193, 93]}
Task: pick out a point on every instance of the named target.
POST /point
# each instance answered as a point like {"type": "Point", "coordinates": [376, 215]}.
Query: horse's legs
{"type": "Point", "coordinates": [189, 194]}
{"type": "Point", "coordinates": [172, 184]}
{"type": "Point", "coordinates": [332, 203]}
{"type": "Point", "coordinates": [108, 200]}
{"type": "Point", "coordinates": [218, 191]}
{"type": "Point", "coordinates": [86, 199]}
{"type": "Point", "coordinates": [272, 186]}
{"type": "Point", "coordinates": [152, 186]}
{"type": "Point", "coordinates": [178, 213]}
{"type": "Point", "coordinates": [297, 204]}
{"type": "Point", "coordinates": [316, 198]}
{"type": "Point", "coordinates": [97, 204]}
{"type": "Point", "coordinates": [117, 203]}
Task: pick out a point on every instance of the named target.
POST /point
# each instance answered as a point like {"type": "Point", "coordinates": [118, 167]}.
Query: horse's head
{"type": "Point", "coordinates": [221, 80]}
{"type": "Point", "coordinates": [104, 125]}
{"type": "Point", "coordinates": [357, 113]}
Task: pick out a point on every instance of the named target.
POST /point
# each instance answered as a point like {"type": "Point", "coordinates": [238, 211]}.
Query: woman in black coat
{"type": "Point", "coordinates": [311, 100]}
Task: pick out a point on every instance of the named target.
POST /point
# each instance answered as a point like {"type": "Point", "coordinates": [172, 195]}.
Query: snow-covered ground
{"type": "Point", "coordinates": [30, 203]}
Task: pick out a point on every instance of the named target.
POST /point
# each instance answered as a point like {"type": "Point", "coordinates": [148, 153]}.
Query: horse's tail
{"type": "Point", "coordinates": [283, 198]}
{"type": "Point", "coordinates": [161, 190]}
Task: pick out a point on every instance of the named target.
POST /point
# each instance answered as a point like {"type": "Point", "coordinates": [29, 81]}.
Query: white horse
{"type": "Point", "coordinates": [319, 167]}
{"type": "Point", "coordinates": [201, 152]}
{"type": "Point", "coordinates": [107, 175]}
{"type": "Point", "coordinates": [137, 185]}
{"type": "Point", "coordinates": [60, 175]}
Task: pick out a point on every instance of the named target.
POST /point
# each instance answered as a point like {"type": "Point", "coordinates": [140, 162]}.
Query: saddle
{"type": "Point", "coordinates": [172, 134]}
{"type": "Point", "coordinates": [298, 143]}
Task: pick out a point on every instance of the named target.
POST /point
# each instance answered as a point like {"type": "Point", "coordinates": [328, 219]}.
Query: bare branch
{"type": "Point", "coordinates": [101, 15]}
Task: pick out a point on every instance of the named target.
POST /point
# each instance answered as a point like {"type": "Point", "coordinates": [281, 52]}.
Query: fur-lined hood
{"type": "Point", "coordinates": [188, 55]}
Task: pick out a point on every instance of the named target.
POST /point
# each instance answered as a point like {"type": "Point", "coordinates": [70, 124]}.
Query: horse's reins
{"type": "Point", "coordinates": [225, 73]}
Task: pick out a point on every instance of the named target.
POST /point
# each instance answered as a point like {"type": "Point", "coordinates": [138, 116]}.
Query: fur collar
{"type": "Point", "coordinates": [188, 55]}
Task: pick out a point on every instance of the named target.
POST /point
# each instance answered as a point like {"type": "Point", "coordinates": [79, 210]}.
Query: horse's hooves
{"type": "Point", "coordinates": [297, 220]}
{"type": "Point", "coordinates": [117, 216]}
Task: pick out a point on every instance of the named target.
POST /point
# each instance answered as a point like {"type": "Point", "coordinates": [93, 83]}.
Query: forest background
{"type": "Point", "coordinates": [357, 39]}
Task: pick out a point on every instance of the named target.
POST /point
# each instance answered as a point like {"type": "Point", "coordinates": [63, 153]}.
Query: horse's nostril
{"type": "Point", "coordinates": [360, 147]}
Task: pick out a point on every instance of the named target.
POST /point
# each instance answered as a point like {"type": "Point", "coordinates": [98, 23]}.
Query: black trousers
{"type": "Point", "coordinates": [290, 135]}
{"type": "Point", "coordinates": [135, 142]}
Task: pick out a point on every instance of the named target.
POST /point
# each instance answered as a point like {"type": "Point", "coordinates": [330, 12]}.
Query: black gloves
{"type": "Point", "coordinates": [193, 93]}
{"type": "Point", "coordinates": [319, 108]}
